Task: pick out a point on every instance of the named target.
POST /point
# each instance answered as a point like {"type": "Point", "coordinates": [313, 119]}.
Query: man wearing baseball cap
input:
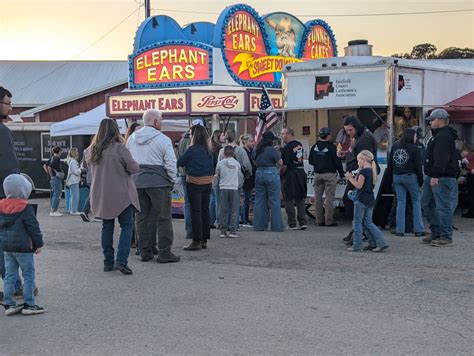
{"type": "Point", "coordinates": [323, 156]}
{"type": "Point", "coordinates": [440, 189]}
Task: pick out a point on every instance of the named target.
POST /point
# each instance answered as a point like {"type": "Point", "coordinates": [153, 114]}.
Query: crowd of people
{"type": "Point", "coordinates": [131, 180]}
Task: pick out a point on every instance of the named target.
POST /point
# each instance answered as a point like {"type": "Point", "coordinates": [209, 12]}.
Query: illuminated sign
{"type": "Point", "coordinates": [217, 102]}
{"type": "Point", "coordinates": [255, 97]}
{"type": "Point", "coordinates": [255, 49]}
{"type": "Point", "coordinates": [135, 104]}
{"type": "Point", "coordinates": [171, 64]}
{"type": "Point", "coordinates": [319, 41]}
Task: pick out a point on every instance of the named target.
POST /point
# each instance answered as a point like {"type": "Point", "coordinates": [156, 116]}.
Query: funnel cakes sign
{"type": "Point", "coordinates": [252, 48]}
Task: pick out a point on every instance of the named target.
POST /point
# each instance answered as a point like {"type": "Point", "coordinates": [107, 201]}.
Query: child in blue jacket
{"type": "Point", "coordinates": [20, 238]}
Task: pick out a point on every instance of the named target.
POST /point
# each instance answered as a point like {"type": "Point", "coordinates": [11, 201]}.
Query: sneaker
{"type": "Point", "coordinates": [85, 217]}
{"type": "Point", "coordinates": [171, 257]}
{"type": "Point", "coordinates": [427, 240]}
{"type": "Point", "coordinates": [303, 227]}
{"type": "Point", "coordinates": [441, 243]}
{"type": "Point", "coordinates": [32, 310]}
{"type": "Point", "coordinates": [124, 269]}
{"type": "Point", "coordinates": [292, 228]}
{"type": "Point", "coordinates": [233, 235]}
{"type": "Point", "coordinates": [97, 220]}
{"type": "Point", "coordinates": [368, 248]}
{"type": "Point", "coordinates": [13, 309]}
{"type": "Point", "coordinates": [213, 226]}
{"type": "Point", "coordinates": [380, 249]}
{"type": "Point", "coordinates": [108, 268]}
{"type": "Point", "coordinates": [348, 237]}
{"type": "Point", "coordinates": [55, 213]}
{"type": "Point", "coordinates": [1, 296]}
{"type": "Point", "coordinates": [247, 224]}
{"type": "Point", "coordinates": [352, 249]}
{"type": "Point", "coordinates": [399, 234]}
{"type": "Point", "coordinates": [222, 235]}
{"type": "Point", "coordinates": [419, 234]}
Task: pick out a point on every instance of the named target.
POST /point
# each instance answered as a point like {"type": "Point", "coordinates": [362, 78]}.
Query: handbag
{"type": "Point", "coordinates": [59, 174]}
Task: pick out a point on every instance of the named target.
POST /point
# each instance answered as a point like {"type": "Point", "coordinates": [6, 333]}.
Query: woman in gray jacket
{"type": "Point", "coordinates": [113, 191]}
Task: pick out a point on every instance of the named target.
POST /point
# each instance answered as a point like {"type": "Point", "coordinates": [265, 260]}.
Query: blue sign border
{"type": "Point", "coordinates": [221, 25]}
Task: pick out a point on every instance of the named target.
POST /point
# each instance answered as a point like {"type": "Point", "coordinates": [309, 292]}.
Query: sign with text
{"type": "Point", "coordinates": [47, 143]}
{"type": "Point", "coordinates": [319, 42]}
{"type": "Point", "coordinates": [165, 65]}
{"type": "Point", "coordinates": [135, 104]}
{"type": "Point", "coordinates": [336, 90]}
{"type": "Point", "coordinates": [409, 88]}
{"type": "Point", "coordinates": [255, 97]}
{"type": "Point", "coordinates": [218, 102]}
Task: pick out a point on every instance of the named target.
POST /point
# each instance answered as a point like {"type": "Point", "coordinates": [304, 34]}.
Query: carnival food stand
{"type": "Point", "coordinates": [217, 71]}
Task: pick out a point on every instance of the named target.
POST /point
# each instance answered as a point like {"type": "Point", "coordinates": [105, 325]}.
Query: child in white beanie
{"type": "Point", "coordinates": [20, 238]}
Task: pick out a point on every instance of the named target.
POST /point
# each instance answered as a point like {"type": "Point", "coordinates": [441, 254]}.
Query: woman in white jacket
{"type": "Point", "coordinates": [72, 180]}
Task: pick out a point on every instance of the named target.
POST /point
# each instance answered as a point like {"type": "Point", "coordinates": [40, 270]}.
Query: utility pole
{"type": "Point", "coordinates": [147, 8]}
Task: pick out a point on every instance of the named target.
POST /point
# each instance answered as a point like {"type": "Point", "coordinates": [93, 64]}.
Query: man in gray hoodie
{"type": "Point", "coordinates": [154, 152]}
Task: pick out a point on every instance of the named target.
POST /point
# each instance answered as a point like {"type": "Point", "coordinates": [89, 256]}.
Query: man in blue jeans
{"type": "Point", "coordinates": [440, 190]}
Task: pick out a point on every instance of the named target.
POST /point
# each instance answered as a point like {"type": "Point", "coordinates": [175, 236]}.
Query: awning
{"type": "Point", "coordinates": [461, 110]}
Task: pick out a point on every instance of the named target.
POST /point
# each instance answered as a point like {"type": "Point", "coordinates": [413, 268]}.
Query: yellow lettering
{"type": "Point", "coordinates": [151, 74]}
{"type": "Point", "coordinates": [139, 63]}
{"type": "Point", "coordinates": [177, 72]}
{"type": "Point", "coordinates": [155, 56]}
{"type": "Point", "coordinates": [189, 72]}
{"type": "Point", "coordinates": [165, 74]}
{"type": "Point", "coordinates": [163, 55]}
{"type": "Point", "coordinates": [193, 57]}
{"type": "Point", "coordinates": [253, 48]}
{"type": "Point", "coordinates": [173, 55]}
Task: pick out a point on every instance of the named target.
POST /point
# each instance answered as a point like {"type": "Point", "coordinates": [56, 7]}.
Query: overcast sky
{"type": "Point", "coordinates": [62, 29]}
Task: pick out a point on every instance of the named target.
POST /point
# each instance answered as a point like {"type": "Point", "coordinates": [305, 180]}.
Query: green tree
{"type": "Point", "coordinates": [455, 52]}
{"type": "Point", "coordinates": [423, 51]}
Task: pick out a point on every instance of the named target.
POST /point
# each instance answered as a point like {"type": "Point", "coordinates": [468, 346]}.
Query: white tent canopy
{"type": "Point", "coordinates": [87, 124]}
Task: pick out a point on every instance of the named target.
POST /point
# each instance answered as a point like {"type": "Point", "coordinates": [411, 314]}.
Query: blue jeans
{"type": "Point", "coordinates": [407, 183]}
{"type": "Point", "coordinates": [439, 203]}
{"type": "Point", "coordinates": [244, 214]}
{"type": "Point", "coordinates": [267, 196]}
{"type": "Point", "coordinates": [56, 189]}
{"type": "Point", "coordinates": [187, 210]}
{"type": "Point", "coordinates": [363, 221]}
{"type": "Point", "coordinates": [214, 207]}
{"type": "Point", "coordinates": [13, 262]}
{"type": "Point", "coordinates": [126, 231]}
{"type": "Point", "coordinates": [18, 284]}
{"type": "Point", "coordinates": [73, 198]}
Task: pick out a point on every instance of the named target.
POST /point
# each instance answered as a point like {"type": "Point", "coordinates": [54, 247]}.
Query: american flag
{"type": "Point", "coordinates": [265, 120]}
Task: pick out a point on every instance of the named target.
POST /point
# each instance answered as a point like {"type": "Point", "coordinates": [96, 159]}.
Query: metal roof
{"type": "Point", "coordinates": [35, 83]}
{"type": "Point", "coordinates": [455, 65]}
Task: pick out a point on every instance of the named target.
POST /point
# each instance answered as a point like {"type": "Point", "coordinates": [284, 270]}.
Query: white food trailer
{"type": "Point", "coordinates": [320, 93]}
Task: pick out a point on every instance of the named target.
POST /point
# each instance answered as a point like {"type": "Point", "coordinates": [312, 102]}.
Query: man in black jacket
{"type": "Point", "coordinates": [440, 189]}
{"type": "Point", "coordinates": [324, 158]}
{"type": "Point", "coordinates": [8, 160]}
